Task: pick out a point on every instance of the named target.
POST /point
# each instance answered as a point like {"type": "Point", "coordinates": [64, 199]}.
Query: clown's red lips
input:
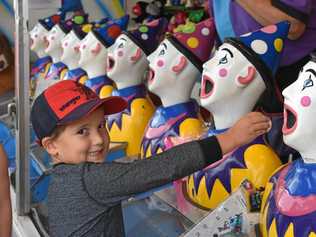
{"type": "Point", "coordinates": [290, 120]}
{"type": "Point", "coordinates": [207, 87]}
{"type": "Point", "coordinates": [110, 64]}
{"type": "Point", "coordinates": [150, 76]}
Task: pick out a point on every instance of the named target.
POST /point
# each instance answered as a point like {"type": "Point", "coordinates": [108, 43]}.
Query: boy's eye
{"type": "Point", "coordinates": [83, 131]}
{"type": "Point", "coordinates": [223, 60]}
{"type": "Point", "coordinates": [102, 125]}
{"type": "Point", "coordinates": [308, 83]}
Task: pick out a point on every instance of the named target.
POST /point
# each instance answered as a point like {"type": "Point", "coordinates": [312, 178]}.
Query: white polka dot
{"type": "Point", "coordinates": [144, 36]}
{"type": "Point", "coordinates": [259, 46]}
{"type": "Point", "coordinates": [205, 31]}
{"type": "Point", "coordinates": [247, 34]}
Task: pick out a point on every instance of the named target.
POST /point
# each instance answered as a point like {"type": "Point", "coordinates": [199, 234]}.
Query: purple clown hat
{"type": "Point", "coordinates": [263, 48]}
{"type": "Point", "coordinates": [197, 43]}
{"type": "Point", "coordinates": [108, 32]}
{"type": "Point", "coordinates": [148, 36]}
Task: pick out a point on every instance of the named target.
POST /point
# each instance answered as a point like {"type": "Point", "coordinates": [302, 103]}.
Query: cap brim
{"type": "Point", "coordinates": [111, 105]}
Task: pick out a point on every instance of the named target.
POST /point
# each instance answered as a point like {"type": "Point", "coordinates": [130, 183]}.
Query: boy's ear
{"type": "Point", "coordinates": [49, 145]}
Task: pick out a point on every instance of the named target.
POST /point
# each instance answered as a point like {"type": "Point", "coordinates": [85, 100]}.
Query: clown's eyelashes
{"type": "Point", "coordinates": [121, 45]}
{"type": "Point", "coordinates": [308, 83]}
{"type": "Point", "coordinates": [162, 52]}
{"type": "Point", "coordinates": [223, 60]}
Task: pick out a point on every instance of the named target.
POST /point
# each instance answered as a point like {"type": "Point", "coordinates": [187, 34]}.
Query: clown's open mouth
{"type": "Point", "coordinates": [150, 75]}
{"type": "Point", "coordinates": [111, 63]}
{"type": "Point", "coordinates": [207, 87]}
{"type": "Point", "coordinates": [46, 43]}
{"type": "Point", "coordinates": [290, 120]}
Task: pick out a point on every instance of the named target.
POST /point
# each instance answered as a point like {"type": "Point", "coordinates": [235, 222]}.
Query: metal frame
{"type": "Point", "coordinates": [22, 72]}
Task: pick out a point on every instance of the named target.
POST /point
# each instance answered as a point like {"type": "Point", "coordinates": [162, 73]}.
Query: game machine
{"type": "Point", "coordinates": [127, 65]}
{"type": "Point", "coordinates": [37, 37]}
{"type": "Point", "coordinates": [54, 49]}
{"type": "Point", "coordinates": [288, 206]}
{"type": "Point", "coordinates": [232, 82]}
{"type": "Point", "coordinates": [175, 66]}
{"type": "Point", "coordinates": [93, 54]}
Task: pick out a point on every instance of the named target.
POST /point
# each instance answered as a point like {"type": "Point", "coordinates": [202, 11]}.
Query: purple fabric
{"type": "Point", "coordinates": [293, 49]}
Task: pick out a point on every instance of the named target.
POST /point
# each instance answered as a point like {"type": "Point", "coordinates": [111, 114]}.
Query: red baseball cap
{"type": "Point", "coordinates": [67, 101]}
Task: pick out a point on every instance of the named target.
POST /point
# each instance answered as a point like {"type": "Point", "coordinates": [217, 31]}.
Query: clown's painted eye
{"type": "Point", "coordinates": [308, 83]}
{"type": "Point", "coordinates": [223, 60]}
{"type": "Point", "coordinates": [162, 52]}
{"type": "Point", "coordinates": [121, 45]}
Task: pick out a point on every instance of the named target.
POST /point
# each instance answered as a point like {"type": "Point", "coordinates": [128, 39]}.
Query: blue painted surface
{"type": "Point", "coordinates": [151, 217]}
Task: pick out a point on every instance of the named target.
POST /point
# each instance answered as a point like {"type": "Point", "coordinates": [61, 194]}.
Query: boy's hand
{"type": "Point", "coordinates": [244, 131]}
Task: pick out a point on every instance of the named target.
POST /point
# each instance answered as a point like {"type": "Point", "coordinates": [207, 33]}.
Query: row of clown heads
{"type": "Point", "coordinates": [112, 61]}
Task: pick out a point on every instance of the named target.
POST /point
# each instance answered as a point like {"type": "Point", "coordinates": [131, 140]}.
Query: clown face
{"type": "Point", "coordinates": [299, 111]}
{"type": "Point", "coordinates": [37, 36]}
{"type": "Point", "coordinates": [70, 45]}
{"type": "Point", "coordinates": [53, 39]}
{"type": "Point", "coordinates": [229, 75]}
{"type": "Point", "coordinates": [170, 70]}
{"type": "Point", "coordinates": [89, 48]}
{"type": "Point", "coordinates": [124, 54]}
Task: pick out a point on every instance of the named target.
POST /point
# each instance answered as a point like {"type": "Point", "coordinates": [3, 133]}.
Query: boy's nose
{"type": "Point", "coordinates": [98, 139]}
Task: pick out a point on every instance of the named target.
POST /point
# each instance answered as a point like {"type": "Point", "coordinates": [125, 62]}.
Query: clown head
{"type": "Point", "coordinates": [37, 36]}
{"type": "Point", "coordinates": [93, 48]}
{"type": "Point", "coordinates": [92, 52]}
{"type": "Point", "coordinates": [130, 51]}
{"type": "Point", "coordinates": [177, 63]}
{"type": "Point", "coordinates": [241, 69]}
{"type": "Point", "coordinates": [53, 42]}
{"type": "Point", "coordinates": [171, 74]}
{"type": "Point", "coordinates": [40, 30]}
{"type": "Point", "coordinates": [299, 111]}
{"type": "Point", "coordinates": [229, 77]}
{"type": "Point", "coordinates": [70, 45]}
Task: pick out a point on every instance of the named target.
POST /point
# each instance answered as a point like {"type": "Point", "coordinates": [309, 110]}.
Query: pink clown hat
{"type": "Point", "coordinates": [196, 43]}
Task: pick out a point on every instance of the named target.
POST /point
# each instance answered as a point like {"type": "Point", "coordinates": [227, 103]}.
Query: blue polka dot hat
{"type": "Point", "coordinates": [49, 22]}
{"type": "Point", "coordinates": [108, 32]}
{"type": "Point", "coordinates": [263, 48]}
{"type": "Point", "coordinates": [148, 36]}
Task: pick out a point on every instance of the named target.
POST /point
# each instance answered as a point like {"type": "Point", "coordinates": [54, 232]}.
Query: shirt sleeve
{"type": "Point", "coordinates": [299, 9]}
{"type": "Point", "coordinates": [113, 182]}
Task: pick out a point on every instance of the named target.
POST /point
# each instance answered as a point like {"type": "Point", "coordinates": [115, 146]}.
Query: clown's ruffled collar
{"type": "Point", "coordinates": [40, 64]}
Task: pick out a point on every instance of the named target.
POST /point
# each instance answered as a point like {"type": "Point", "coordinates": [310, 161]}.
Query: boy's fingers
{"type": "Point", "coordinates": [258, 118]}
{"type": "Point", "coordinates": [260, 132]}
{"type": "Point", "coordinates": [261, 126]}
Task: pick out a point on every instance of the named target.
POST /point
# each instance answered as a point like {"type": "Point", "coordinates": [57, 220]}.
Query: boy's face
{"type": "Point", "coordinates": [83, 140]}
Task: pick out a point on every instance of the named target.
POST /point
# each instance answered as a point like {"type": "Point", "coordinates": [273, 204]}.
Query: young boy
{"type": "Point", "coordinates": [5, 201]}
{"type": "Point", "coordinates": [85, 192]}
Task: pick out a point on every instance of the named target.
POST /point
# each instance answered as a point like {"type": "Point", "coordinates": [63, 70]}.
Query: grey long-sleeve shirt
{"type": "Point", "coordinates": [85, 199]}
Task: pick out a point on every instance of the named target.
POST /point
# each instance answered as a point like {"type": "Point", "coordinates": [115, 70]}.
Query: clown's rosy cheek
{"type": "Point", "coordinates": [160, 63]}
{"type": "Point", "coordinates": [306, 101]}
{"type": "Point", "coordinates": [120, 53]}
{"type": "Point", "coordinates": [222, 72]}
